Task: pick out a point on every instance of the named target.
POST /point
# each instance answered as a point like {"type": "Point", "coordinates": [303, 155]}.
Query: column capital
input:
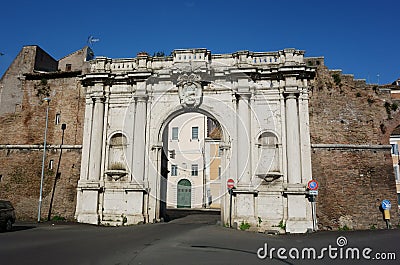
{"type": "Point", "coordinates": [291, 94]}
{"type": "Point", "coordinates": [141, 98]}
{"type": "Point", "coordinates": [98, 98]}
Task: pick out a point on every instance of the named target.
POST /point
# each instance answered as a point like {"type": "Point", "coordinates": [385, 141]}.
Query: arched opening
{"type": "Point", "coordinates": [184, 194]}
{"type": "Point", "coordinates": [192, 155]}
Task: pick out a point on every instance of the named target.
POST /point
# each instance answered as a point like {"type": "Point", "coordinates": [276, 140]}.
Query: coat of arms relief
{"type": "Point", "coordinates": [190, 90]}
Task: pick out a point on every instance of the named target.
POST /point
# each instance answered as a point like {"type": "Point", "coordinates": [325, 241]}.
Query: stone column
{"type": "Point", "coordinates": [243, 142]}
{"type": "Point", "coordinates": [96, 145]}
{"type": "Point", "coordinates": [139, 139]}
{"type": "Point", "coordinates": [87, 131]}
{"type": "Point", "coordinates": [298, 218]}
{"type": "Point", "coordinates": [244, 193]}
{"type": "Point", "coordinates": [88, 187]}
{"type": "Point", "coordinates": [293, 139]}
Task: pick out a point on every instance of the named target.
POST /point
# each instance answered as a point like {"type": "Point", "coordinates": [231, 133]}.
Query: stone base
{"type": "Point", "coordinates": [121, 220]}
{"type": "Point", "coordinates": [245, 208]}
{"type": "Point", "coordinates": [298, 226]}
{"type": "Point", "coordinates": [299, 211]}
{"type": "Point", "coordinates": [88, 218]}
{"type": "Point", "coordinates": [87, 203]}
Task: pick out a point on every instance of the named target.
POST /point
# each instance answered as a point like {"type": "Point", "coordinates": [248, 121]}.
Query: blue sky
{"type": "Point", "coordinates": [359, 37]}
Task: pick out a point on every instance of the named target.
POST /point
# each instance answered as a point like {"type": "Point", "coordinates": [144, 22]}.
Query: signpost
{"type": "Point", "coordinates": [231, 185]}
{"type": "Point", "coordinates": [386, 206]}
{"type": "Point", "coordinates": [312, 185]}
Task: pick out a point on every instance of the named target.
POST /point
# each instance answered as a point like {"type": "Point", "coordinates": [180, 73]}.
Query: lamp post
{"type": "Point", "coordinates": [44, 157]}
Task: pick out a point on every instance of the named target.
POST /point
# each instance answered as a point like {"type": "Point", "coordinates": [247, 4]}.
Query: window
{"type": "Point", "coordinates": [174, 133]}
{"type": "Point", "coordinates": [51, 163]}
{"type": "Point", "coordinates": [396, 172]}
{"type": "Point", "coordinates": [195, 133]}
{"type": "Point", "coordinates": [398, 198]}
{"type": "Point", "coordinates": [395, 149]}
{"type": "Point", "coordinates": [68, 67]}
{"type": "Point", "coordinates": [195, 170]}
{"type": "Point", "coordinates": [220, 152]}
{"type": "Point", "coordinates": [174, 170]}
{"type": "Point", "coordinates": [58, 118]}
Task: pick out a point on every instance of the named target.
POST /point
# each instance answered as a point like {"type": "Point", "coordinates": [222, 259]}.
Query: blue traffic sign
{"type": "Point", "coordinates": [386, 205]}
{"type": "Point", "coordinates": [312, 184]}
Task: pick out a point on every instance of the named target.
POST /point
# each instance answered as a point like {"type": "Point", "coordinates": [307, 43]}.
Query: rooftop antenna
{"type": "Point", "coordinates": [92, 40]}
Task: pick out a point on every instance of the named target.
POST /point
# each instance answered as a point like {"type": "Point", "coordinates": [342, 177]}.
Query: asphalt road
{"type": "Point", "coordinates": [195, 239]}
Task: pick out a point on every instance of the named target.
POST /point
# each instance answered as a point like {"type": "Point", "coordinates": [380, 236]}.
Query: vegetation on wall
{"type": "Point", "coordinates": [43, 89]}
{"type": "Point", "coordinates": [337, 79]}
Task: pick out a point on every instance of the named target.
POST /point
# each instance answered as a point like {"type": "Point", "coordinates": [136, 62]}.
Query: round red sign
{"type": "Point", "coordinates": [312, 184]}
{"type": "Point", "coordinates": [230, 183]}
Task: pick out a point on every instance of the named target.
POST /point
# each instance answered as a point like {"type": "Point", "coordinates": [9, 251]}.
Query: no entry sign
{"type": "Point", "coordinates": [230, 183]}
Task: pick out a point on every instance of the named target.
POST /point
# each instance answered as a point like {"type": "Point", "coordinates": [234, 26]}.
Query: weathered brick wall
{"type": "Point", "coordinates": [11, 83]}
{"type": "Point", "coordinates": [20, 182]}
{"type": "Point", "coordinates": [353, 182]}
{"type": "Point", "coordinates": [26, 125]}
{"type": "Point", "coordinates": [76, 60]}
{"type": "Point", "coordinates": [20, 169]}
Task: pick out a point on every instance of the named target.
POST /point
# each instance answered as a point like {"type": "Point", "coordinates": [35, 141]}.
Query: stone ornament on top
{"type": "Point", "coordinates": [190, 90]}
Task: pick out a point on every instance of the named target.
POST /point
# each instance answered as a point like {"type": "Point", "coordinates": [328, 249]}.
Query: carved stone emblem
{"type": "Point", "coordinates": [190, 90]}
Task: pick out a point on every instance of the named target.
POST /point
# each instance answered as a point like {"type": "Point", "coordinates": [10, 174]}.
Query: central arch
{"type": "Point", "coordinates": [168, 190]}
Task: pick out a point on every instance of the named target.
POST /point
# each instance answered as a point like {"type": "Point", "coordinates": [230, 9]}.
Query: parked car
{"type": "Point", "coordinates": [7, 215]}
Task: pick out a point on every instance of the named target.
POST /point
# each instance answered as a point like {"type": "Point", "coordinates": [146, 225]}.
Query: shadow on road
{"type": "Point", "coordinates": [204, 216]}
{"type": "Point", "coordinates": [16, 228]}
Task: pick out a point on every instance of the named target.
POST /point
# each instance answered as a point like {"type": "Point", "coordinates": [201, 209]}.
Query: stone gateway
{"type": "Point", "coordinates": [260, 100]}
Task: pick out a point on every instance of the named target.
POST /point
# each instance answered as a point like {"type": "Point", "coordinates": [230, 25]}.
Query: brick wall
{"type": "Point", "coordinates": [20, 182]}
{"type": "Point", "coordinates": [353, 184]}
{"type": "Point", "coordinates": [20, 169]}
{"type": "Point", "coordinates": [67, 99]}
{"type": "Point", "coordinates": [353, 181]}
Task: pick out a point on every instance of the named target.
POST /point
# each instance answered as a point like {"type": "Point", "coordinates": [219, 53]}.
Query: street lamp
{"type": "Point", "coordinates": [44, 157]}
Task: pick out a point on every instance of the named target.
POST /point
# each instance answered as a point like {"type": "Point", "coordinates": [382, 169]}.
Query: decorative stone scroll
{"type": "Point", "coordinates": [190, 90]}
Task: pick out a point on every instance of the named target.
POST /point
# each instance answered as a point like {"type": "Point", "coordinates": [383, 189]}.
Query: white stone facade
{"type": "Point", "coordinates": [260, 101]}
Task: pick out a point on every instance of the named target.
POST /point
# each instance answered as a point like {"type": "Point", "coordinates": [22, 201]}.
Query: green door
{"type": "Point", "coordinates": [184, 194]}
